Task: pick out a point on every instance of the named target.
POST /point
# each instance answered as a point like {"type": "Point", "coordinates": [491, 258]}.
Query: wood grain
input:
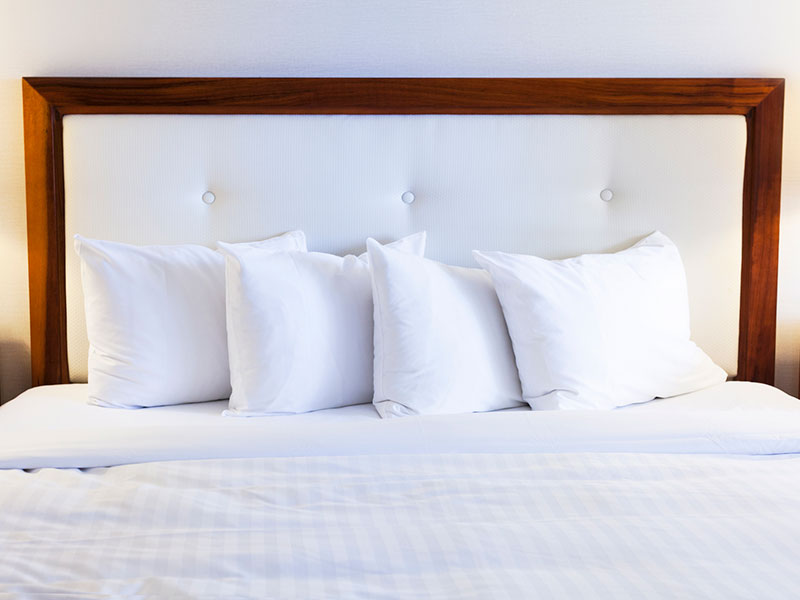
{"type": "Point", "coordinates": [403, 95]}
{"type": "Point", "coordinates": [46, 100]}
{"type": "Point", "coordinates": [44, 187]}
{"type": "Point", "coordinates": [760, 232]}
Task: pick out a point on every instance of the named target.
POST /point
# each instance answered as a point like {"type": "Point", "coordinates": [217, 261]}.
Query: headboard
{"type": "Point", "coordinates": [47, 101]}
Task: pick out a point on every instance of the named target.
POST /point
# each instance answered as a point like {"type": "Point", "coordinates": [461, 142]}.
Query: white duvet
{"type": "Point", "coordinates": [692, 497]}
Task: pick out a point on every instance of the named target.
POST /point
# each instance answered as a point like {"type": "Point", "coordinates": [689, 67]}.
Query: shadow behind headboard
{"type": "Point", "coordinates": [47, 100]}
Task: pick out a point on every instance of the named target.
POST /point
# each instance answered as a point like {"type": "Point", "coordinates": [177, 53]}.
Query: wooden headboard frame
{"type": "Point", "coordinates": [47, 100]}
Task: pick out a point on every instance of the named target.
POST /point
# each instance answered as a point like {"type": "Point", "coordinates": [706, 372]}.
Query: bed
{"type": "Point", "coordinates": [694, 495]}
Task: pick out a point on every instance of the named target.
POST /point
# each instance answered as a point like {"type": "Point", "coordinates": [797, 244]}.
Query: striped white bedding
{"type": "Point", "coordinates": [441, 526]}
{"type": "Point", "coordinates": [463, 523]}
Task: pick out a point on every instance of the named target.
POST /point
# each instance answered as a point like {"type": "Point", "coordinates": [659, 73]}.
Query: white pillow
{"type": "Point", "coordinates": [601, 330]}
{"type": "Point", "coordinates": [300, 329]}
{"type": "Point", "coordinates": [445, 346]}
{"type": "Point", "coordinates": [155, 318]}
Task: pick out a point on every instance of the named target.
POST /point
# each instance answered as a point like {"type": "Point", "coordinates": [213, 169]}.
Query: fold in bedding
{"type": "Point", "coordinates": [52, 426]}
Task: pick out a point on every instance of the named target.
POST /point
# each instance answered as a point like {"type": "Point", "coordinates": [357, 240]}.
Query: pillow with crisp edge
{"type": "Point", "coordinates": [695, 371]}
{"type": "Point", "coordinates": [413, 244]}
{"type": "Point", "coordinates": [389, 405]}
{"type": "Point", "coordinates": [85, 247]}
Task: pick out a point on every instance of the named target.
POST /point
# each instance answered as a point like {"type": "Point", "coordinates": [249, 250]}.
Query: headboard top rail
{"type": "Point", "coordinates": [402, 95]}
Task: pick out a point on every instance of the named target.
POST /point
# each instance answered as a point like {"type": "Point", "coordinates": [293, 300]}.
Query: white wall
{"type": "Point", "coordinates": [557, 38]}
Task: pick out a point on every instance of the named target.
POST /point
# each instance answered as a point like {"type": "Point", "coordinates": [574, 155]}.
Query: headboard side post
{"type": "Point", "coordinates": [44, 181]}
{"type": "Point", "coordinates": [760, 232]}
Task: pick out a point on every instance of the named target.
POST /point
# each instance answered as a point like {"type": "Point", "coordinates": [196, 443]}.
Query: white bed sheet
{"type": "Point", "coordinates": [52, 426]}
{"type": "Point", "coordinates": [340, 504]}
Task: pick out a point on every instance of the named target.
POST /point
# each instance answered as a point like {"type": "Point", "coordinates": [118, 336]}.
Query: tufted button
{"type": "Point", "coordinates": [209, 197]}
{"type": "Point", "coordinates": [606, 195]}
{"type": "Point", "coordinates": [408, 197]}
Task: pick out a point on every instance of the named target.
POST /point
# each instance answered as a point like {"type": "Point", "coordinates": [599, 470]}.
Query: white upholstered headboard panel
{"type": "Point", "coordinates": [517, 183]}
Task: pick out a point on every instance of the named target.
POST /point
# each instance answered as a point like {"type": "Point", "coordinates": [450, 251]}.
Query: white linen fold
{"type": "Point", "coordinates": [52, 426]}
